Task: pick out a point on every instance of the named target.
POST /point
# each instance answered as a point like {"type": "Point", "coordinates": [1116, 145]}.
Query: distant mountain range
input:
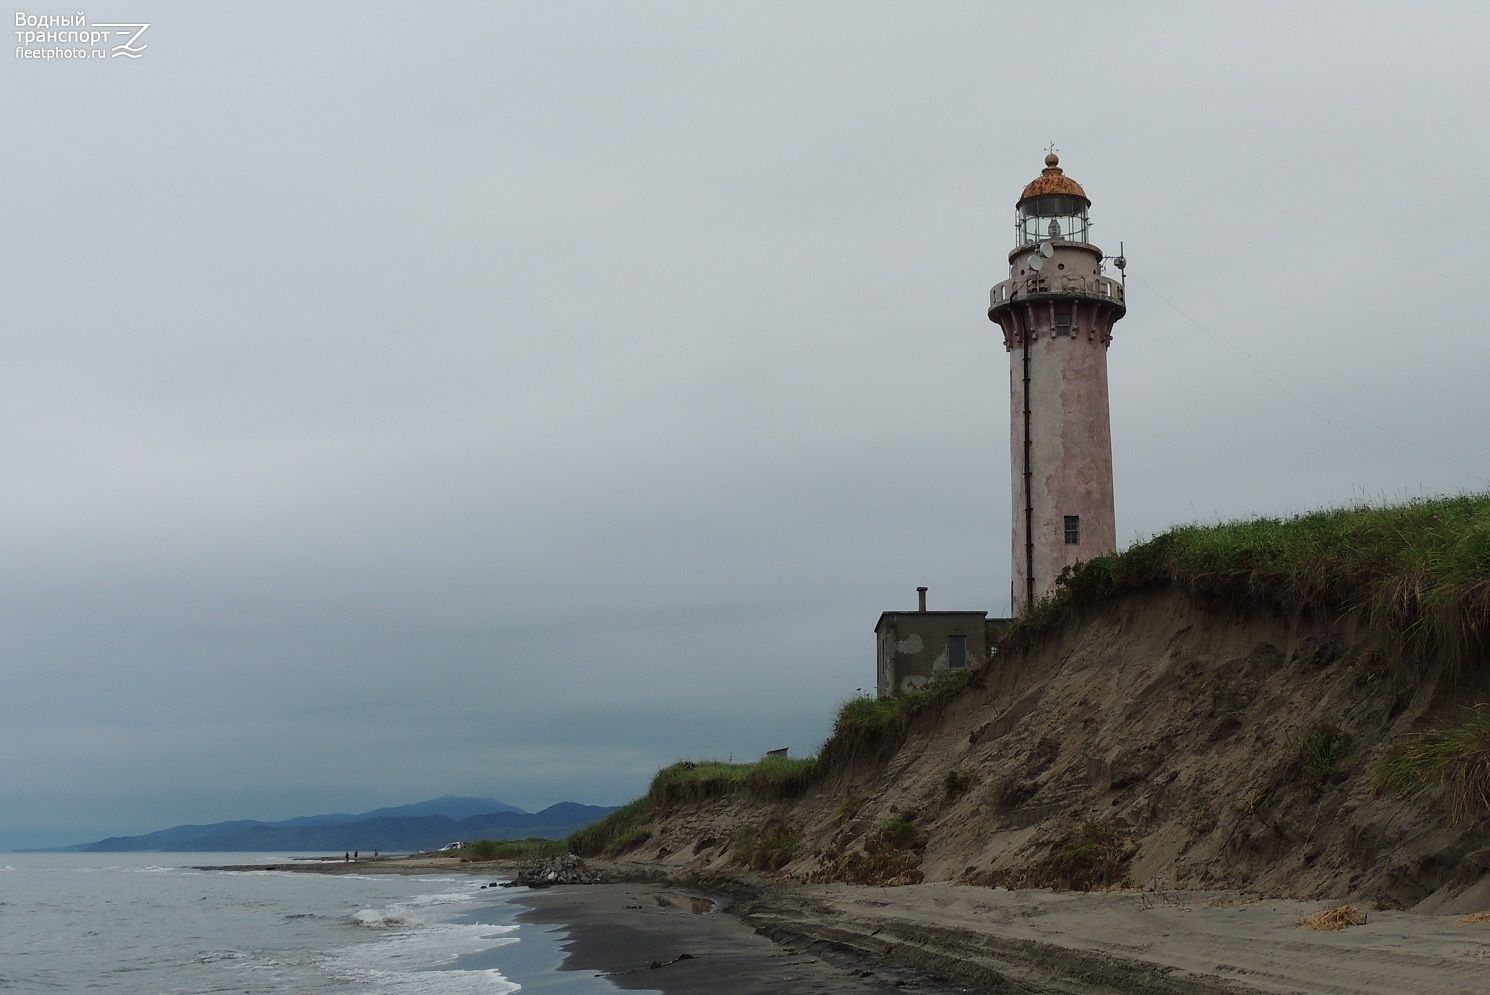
{"type": "Point", "coordinates": [420, 826]}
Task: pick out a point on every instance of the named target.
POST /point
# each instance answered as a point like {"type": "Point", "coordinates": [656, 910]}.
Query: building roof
{"type": "Point", "coordinates": [885, 615]}
{"type": "Point", "coordinates": [1052, 180]}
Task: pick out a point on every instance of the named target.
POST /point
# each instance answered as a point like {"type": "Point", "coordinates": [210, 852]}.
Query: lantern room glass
{"type": "Point", "coordinates": [1048, 217]}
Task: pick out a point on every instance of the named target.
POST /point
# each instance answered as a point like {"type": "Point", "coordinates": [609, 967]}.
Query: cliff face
{"type": "Point", "coordinates": [1151, 740]}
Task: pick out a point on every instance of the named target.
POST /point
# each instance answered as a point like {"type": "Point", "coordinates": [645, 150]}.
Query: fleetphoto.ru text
{"type": "Point", "coordinates": [72, 38]}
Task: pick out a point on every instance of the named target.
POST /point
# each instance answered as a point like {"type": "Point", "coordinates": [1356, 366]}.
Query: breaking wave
{"type": "Point", "coordinates": [410, 958]}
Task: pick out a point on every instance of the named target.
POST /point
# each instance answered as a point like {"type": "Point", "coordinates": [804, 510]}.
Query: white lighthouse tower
{"type": "Point", "coordinates": [1057, 309]}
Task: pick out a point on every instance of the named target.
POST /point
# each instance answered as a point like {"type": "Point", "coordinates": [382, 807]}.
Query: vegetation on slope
{"type": "Point", "coordinates": [866, 725]}
{"type": "Point", "coordinates": [1454, 758]}
{"type": "Point", "coordinates": [523, 849]}
{"type": "Point", "coordinates": [1420, 572]}
{"type": "Point", "coordinates": [769, 778]}
{"type": "Point", "coordinates": [765, 848]}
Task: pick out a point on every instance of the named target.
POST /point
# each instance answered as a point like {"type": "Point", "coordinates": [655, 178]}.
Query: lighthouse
{"type": "Point", "coordinates": [1057, 308]}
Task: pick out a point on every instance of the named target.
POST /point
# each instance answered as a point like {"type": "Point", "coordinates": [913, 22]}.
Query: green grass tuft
{"type": "Point", "coordinates": [956, 784]}
{"type": "Point", "coordinates": [598, 837]}
{"type": "Point", "coordinates": [772, 778]}
{"type": "Point", "coordinates": [863, 719]}
{"type": "Point", "coordinates": [1454, 758]}
{"type": "Point", "coordinates": [1321, 748]}
{"type": "Point", "coordinates": [1092, 856]}
{"type": "Point", "coordinates": [769, 848]}
{"type": "Point", "coordinates": [632, 838]}
{"type": "Point", "coordinates": [866, 725]}
{"type": "Point", "coordinates": [848, 807]}
{"type": "Point", "coordinates": [895, 833]}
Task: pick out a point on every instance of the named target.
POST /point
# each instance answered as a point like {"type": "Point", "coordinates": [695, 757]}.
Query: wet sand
{"type": "Point", "coordinates": [638, 934]}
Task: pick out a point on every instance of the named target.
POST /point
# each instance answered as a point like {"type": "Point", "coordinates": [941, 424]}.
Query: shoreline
{"type": "Point", "coordinates": [374, 865]}
{"type": "Point", "coordinates": [767, 936]}
{"type": "Point", "coordinates": [681, 941]}
{"type": "Point", "coordinates": [696, 939]}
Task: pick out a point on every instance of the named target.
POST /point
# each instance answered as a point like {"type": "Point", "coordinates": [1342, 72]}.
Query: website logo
{"type": "Point", "coordinates": [71, 37]}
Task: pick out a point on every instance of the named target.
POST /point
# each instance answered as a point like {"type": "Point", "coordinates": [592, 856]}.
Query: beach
{"type": "Point", "coordinates": [947, 938]}
{"type": "Point", "coordinates": [655, 935]}
{"type": "Point", "coordinates": [754, 934]}
{"type": "Point", "coordinates": [1147, 942]}
{"type": "Point", "coordinates": [679, 942]}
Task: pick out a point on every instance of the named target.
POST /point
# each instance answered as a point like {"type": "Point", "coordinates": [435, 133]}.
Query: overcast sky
{"type": "Point", "coordinates": [508, 399]}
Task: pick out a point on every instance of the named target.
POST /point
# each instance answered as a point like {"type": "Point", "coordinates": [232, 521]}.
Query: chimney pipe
{"type": "Point", "coordinates": [921, 597]}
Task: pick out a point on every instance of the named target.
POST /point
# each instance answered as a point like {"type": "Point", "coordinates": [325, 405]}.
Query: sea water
{"type": "Point", "coordinates": [111, 922]}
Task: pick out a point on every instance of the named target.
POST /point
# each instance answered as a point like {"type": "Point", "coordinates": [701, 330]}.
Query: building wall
{"type": "Point", "coordinates": [912, 647]}
{"type": "Point", "coordinates": [1071, 453]}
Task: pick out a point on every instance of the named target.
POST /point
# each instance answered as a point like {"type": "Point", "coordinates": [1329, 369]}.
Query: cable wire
{"type": "Point", "coordinates": [1271, 375]}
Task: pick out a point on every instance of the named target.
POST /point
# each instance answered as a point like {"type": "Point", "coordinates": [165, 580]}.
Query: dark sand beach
{"type": "Point", "coordinates": [639, 934]}
{"type": "Point", "coordinates": [943, 938]}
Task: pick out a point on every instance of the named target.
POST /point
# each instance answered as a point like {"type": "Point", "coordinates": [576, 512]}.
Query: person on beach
{"type": "Point", "coordinates": [347, 857]}
{"type": "Point", "coordinates": [356, 854]}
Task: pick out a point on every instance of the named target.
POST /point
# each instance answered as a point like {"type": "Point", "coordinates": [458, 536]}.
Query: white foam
{"type": "Point", "coordinates": [409, 959]}
{"type": "Point", "coordinates": [488, 982]}
{"type": "Point", "coordinates": [443, 898]}
{"type": "Point", "coordinates": [412, 911]}
{"type": "Point", "coordinates": [379, 919]}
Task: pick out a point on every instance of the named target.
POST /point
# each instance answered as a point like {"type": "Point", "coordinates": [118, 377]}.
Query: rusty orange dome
{"type": "Point", "coordinates": [1052, 180]}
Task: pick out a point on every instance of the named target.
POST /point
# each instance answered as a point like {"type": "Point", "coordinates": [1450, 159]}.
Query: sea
{"type": "Point", "coordinates": [151, 922]}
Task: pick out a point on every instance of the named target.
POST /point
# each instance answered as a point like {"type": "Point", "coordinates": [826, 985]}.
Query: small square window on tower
{"type": "Point", "coordinates": [1062, 320]}
{"type": "Point", "coordinates": [1073, 530]}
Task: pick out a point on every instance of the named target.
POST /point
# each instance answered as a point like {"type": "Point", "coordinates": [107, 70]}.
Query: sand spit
{"type": "Point", "coordinates": [375, 865]}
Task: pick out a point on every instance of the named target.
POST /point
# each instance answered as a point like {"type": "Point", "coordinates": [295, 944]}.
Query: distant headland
{"type": "Point", "coordinates": [417, 826]}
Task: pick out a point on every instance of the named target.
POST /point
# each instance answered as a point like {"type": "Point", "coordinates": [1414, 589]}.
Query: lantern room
{"type": "Point", "coordinates": [1052, 206]}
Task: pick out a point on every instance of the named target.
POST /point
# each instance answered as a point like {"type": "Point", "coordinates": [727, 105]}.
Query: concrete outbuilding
{"type": "Point", "coordinates": [915, 648]}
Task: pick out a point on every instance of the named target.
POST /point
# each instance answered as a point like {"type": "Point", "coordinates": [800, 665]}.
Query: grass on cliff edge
{"type": "Point", "coordinates": [1419, 571]}
{"type": "Point", "coordinates": [865, 723]}
{"type": "Point", "coordinates": [688, 781]}
{"type": "Point", "coordinates": [862, 724]}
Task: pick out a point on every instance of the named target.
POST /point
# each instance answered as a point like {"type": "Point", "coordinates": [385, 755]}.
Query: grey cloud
{"type": "Point", "coordinates": [513, 398]}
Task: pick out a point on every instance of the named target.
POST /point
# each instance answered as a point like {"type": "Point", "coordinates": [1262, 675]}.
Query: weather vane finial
{"type": "Point", "coordinates": [1051, 148]}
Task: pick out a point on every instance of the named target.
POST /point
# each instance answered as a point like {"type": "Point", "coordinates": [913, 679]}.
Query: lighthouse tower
{"type": "Point", "coordinates": [1057, 309]}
